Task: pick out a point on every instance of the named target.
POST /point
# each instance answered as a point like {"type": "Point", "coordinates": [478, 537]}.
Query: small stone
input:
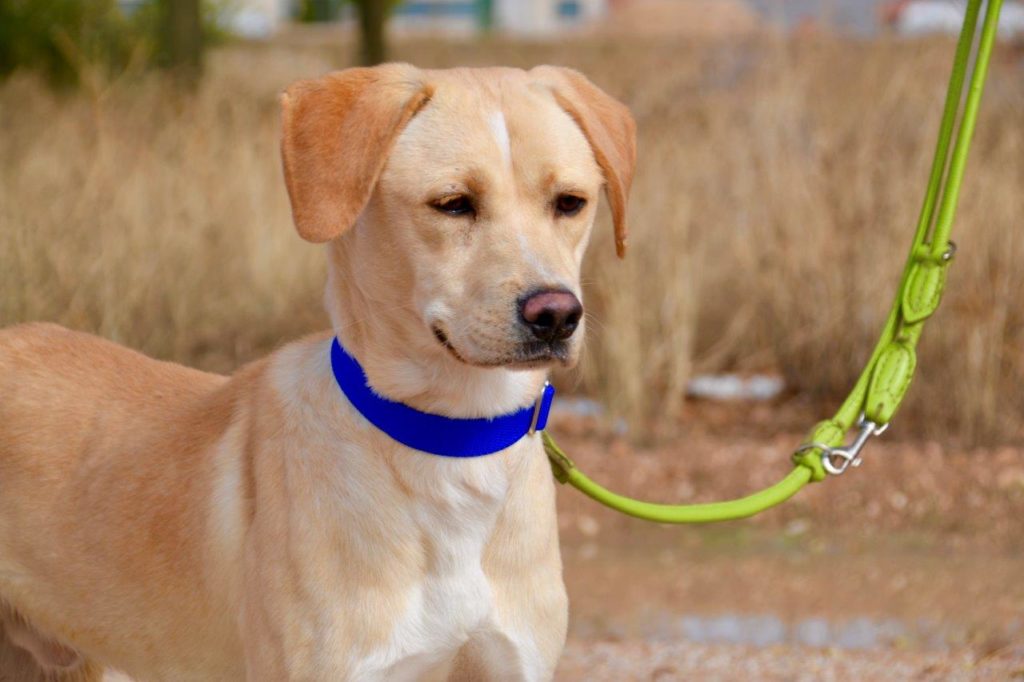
{"type": "Point", "coordinates": [797, 527]}
{"type": "Point", "coordinates": [898, 501]}
{"type": "Point", "coordinates": [589, 526]}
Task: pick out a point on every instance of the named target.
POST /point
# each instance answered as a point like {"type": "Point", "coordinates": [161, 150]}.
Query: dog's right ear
{"type": "Point", "coordinates": [337, 133]}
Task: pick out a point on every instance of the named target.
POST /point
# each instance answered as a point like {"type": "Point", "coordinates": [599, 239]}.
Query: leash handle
{"type": "Point", "coordinates": [883, 383]}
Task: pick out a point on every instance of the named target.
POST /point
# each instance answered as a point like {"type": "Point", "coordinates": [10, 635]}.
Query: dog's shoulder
{"type": "Point", "coordinates": [57, 381]}
{"type": "Point", "coordinates": [299, 373]}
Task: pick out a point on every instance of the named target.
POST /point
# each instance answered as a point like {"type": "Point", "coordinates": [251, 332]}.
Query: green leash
{"type": "Point", "coordinates": [887, 375]}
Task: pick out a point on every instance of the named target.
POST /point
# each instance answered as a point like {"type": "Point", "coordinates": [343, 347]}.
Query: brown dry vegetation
{"type": "Point", "coordinates": [777, 187]}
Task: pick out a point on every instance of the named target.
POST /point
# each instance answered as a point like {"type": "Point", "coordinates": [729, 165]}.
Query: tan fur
{"type": "Point", "coordinates": [339, 131]}
{"type": "Point", "coordinates": [611, 131]}
{"type": "Point", "coordinates": [179, 525]}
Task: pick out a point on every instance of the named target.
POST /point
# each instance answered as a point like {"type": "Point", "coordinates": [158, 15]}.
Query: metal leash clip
{"type": "Point", "coordinates": [538, 405]}
{"type": "Point", "coordinates": [950, 252]}
{"type": "Point", "coordinates": [837, 460]}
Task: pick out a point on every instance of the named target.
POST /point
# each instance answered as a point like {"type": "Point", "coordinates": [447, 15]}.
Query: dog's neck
{"type": "Point", "coordinates": [414, 369]}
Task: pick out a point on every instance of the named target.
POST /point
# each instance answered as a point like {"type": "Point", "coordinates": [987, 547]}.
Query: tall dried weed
{"type": "Point", "coordinates": [778, 185]}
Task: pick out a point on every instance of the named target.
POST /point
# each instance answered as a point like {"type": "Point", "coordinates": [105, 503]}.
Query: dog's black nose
{"type": "Point", "coordinates": [551, 315]}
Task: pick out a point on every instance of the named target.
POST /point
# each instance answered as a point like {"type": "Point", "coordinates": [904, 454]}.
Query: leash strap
{"type": "Point", "coordinates": [883, 383]}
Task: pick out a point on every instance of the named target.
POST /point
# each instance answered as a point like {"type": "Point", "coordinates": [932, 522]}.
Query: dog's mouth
{"type": "Point", "coordinates": [529, 355]}
{"type": "Point", "coordinates": [442, 338]}
{"type": "Point", "coordinates": [539, 353]}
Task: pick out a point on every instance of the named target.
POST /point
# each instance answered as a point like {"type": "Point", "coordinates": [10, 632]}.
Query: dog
{"type": "Point", "coordinates": [178, 525]}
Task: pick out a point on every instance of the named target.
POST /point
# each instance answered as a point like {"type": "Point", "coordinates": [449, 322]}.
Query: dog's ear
{"type": "Point", "coordinates": [337, 133]}
{"type": "Point", "coordinates": [610, 129]}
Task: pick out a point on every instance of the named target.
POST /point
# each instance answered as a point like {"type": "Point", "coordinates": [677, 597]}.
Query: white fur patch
{"type": "Point", "coordinates": [457, 506]}
{"type": "Point", "coordinates": [496, 121]}
{"type": "Point", "coordinates": [538, 268]}
{"type": "Point", "coordinates": [226, 501]}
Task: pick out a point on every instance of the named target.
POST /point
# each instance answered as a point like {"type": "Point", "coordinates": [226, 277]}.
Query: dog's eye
{"type": "Point", "coordinates": [456, 205]}
{"type": "Point", "coordinates": [569, 204]}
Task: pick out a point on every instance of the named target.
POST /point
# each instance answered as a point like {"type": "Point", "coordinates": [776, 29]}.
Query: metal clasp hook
{"type": "Point", "coordinates": [538, 405]}
{"type": "Point", "coordinates": [837, 460]}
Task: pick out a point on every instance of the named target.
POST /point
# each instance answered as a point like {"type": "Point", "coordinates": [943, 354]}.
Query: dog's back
{"type": "Point", "coordinates": [59, 388]}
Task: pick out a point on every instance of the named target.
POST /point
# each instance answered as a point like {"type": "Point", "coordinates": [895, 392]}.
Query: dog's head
{"type": "Point", "coordinates": [459, 203]}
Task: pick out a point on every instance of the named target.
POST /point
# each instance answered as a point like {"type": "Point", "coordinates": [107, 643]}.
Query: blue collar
{"type": "Point", "coordinates": [434, 433]}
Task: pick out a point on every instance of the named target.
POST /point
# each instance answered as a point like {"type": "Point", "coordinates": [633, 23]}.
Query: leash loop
{"type": "Point", "coordinates": [883, 383]}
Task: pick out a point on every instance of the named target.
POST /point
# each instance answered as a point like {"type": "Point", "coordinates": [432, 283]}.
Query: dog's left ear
{"type": "Point", "coordinates": [610, 130]}
{"type": "Point", "coordinates": [337, 132]}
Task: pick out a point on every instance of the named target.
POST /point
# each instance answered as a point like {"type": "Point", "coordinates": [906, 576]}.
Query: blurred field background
{"type": "Point", "coordinates": [779, 180]}
{"type": "Point", "coordinates": [780, 176]}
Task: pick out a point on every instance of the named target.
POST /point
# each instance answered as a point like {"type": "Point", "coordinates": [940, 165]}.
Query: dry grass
{"type": "Point", "coordinates": [778, 184]}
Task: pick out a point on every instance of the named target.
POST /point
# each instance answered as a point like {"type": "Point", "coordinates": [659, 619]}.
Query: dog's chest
{"type": "Point", "coordinates": [454, 513]}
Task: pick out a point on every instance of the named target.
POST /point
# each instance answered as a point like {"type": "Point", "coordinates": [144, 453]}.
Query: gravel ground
{"type": "Point", "coordinates": [664, 662]}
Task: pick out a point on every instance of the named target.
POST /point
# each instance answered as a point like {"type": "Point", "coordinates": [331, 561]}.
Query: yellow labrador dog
{"type": "Point", "coordinates": [180, 526]}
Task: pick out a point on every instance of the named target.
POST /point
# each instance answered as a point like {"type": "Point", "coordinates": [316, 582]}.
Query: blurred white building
{"type": "Point", "coordinates": [256, 19]}
{"type": "Point", "coordinates": [519, 17]}
{"type": "Point", "coordinates": [920, 17]}
{"type": "Point", "coordinates": [545, 16]}
{"type": "Point", "coordinates": [263, 18]}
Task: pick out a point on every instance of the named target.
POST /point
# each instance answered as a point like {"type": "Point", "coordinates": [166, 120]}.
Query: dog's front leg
{"type": "Point", "coordinates": [524, 638]}
{"type": "Point", "coordinates": [265, 656]}
{"type": "Point", "coordinates": [270, 641]}
{"type": "Point", "coordinates": [501, 655]}
{"type": "Point", "coordinates": [288, 638]}
{"type": "Point", "coordinates": [289, 623]}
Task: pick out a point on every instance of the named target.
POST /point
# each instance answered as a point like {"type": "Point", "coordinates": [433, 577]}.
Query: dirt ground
{"type": "Point", "coordinates": [909, 568]}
